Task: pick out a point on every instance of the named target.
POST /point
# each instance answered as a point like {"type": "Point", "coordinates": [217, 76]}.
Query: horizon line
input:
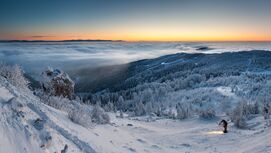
{"type": "Point", "coordinates": [112, 40]}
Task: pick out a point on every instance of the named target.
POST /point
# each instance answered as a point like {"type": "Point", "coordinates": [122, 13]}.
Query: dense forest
{"type": "Point", "coordinates": [181, 85]}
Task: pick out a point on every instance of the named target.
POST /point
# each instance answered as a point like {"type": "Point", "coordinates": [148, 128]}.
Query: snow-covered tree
{"type": "Point", "coordinates": [207, 113]}
{"type": "Point", "coordinates": [239, 115]}
{"type": "Point", "coordinates": [80, 116]}
{"type": "Point", "coordinates": [183, 110]}
{"type": "Point", "coordinates": [140, 109]}
{"type": "Point", "coordinates": [15, 75]}
{"type": "Point", "coordinates": [149, 107]}
{"type": "Point", "coordinates": [120, 102]}
{"type": "Point", "coordinates": [98, 115]}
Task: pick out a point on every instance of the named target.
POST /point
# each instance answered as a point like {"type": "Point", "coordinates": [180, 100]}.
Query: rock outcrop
{"type": "Point", "coordinates": [57, 83]}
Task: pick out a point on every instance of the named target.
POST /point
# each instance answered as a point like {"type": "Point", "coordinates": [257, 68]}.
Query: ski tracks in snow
{"type": "Point", "coordinates": [83, 146]}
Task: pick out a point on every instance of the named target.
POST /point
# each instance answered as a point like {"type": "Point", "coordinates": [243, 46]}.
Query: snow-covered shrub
{"type": "Point", "coordinates": [252, 108]}
{"type": "Point", "coordinates": [208, 113]}
{"type": "Point", "coordinates": [183, 110]}
{"type": "Point", "coordinates": [77, 111]}
{"type": "Point", "coordinates": [57, 102]}
{"type": "Point", "coordinates": [121, 114]}
{"type": "Point", "coordinates": [140, 109]}
{"type": "Point", "coordinates": [109, 107]}
{"type": "Point", "coordinates": [80, 116]}
{"type": "Point", "coordinates": [240, 114]}
{"type": "Point", "coordinates": [149, 108]}
{"type": "Point", "coordinates": [239, 121]}
{"type": "Point", "coordinates": [98, 115]}
{"type": "Point", "coordinates": [120, 102]}
{"type": "Point", "coordinates": [15, 75]}
{"type": "Point", "coordinates": [169, 112]}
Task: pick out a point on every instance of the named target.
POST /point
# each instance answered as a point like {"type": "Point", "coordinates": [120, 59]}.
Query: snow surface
{"type": "Point", "coordinates": [171, 136]}
{"type": "Point", "coordinates": [226, 91]}
{"type": "Point", "coordinates": [27, 125]}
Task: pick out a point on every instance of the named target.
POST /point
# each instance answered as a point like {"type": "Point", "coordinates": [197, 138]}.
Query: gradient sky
{"type": "Point", "coordinates": [136, 20]}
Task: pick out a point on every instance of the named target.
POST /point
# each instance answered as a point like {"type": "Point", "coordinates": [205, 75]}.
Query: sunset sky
{"type": "Point", "coordinates": [136, 20]}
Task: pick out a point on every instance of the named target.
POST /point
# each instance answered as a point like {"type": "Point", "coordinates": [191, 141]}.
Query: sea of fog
{"type": "Point", "coordinates": [37, 56]}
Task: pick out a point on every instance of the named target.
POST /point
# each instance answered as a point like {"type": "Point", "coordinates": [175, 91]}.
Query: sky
{"type": "Point", "coordinates": [136, 20]}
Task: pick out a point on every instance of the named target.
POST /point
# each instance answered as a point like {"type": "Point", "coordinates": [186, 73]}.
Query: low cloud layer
{"type": "Point", "coordinates": [72, 55]}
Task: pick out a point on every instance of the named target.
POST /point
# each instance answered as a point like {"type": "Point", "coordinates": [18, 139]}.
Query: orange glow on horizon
{"type": "Point", "coordinates": [146, 37]}
{"type": "Point", "coordinates": [154, 20]}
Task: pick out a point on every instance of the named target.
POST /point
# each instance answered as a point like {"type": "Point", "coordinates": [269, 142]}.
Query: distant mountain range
{"type": "Point", "coordinates": [72, 40]}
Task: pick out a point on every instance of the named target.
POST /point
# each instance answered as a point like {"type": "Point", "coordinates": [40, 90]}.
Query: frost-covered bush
{"type": "Point", "coordinates": [98, 115]}
{"type": "Point", "coordinates": [208, 113]}
{"type": "Point", "coordinates": [149, 108]}
{"type": "Point", "coordinates": [15, 75]}
{"type": "Point", "coordinates": [80, 116]}
{"type": "Point", "coordinates": [240, 114]}
{"type": "Point", "coordinates": [169, 112]}
{"type": "Point", "coordinates": [77, 111]}
{"type": "Point", "coordinates": [57, 102]}
{"type": "Point", "coordinates": [140, 109]}
{"type": "Point", "coordinates": [120, 102]}
{"type": "Point", "coordinates": [183, 110]}
{"type": "Point", "coordinates": [109, 107]}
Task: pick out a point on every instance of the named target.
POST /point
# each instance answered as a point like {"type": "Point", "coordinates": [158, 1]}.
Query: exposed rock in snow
{"type": "Point", "coordinates": [57, 83]}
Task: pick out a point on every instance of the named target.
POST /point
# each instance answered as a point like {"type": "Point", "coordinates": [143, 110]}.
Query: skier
{"type": "Point", "coordinates": [224, 123]}
{"type": "Point", "coordinates": [266, 111]}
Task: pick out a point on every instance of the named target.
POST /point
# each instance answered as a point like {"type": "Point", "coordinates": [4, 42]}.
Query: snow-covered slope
{"type": "Point", "coordinates": [27, 125]}
{"type": "Point", "coordinates": [188, 136]}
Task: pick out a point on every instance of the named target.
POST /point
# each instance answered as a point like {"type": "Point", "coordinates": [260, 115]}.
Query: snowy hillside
{"type": "Point", "coordinates": [169, 104]}
{"type": "Point", "coordinates": [27, 125]}
{"type": "Point", "coordinates": [182, 85]}
{"type": "Point", "coordinates": [169, 68]}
